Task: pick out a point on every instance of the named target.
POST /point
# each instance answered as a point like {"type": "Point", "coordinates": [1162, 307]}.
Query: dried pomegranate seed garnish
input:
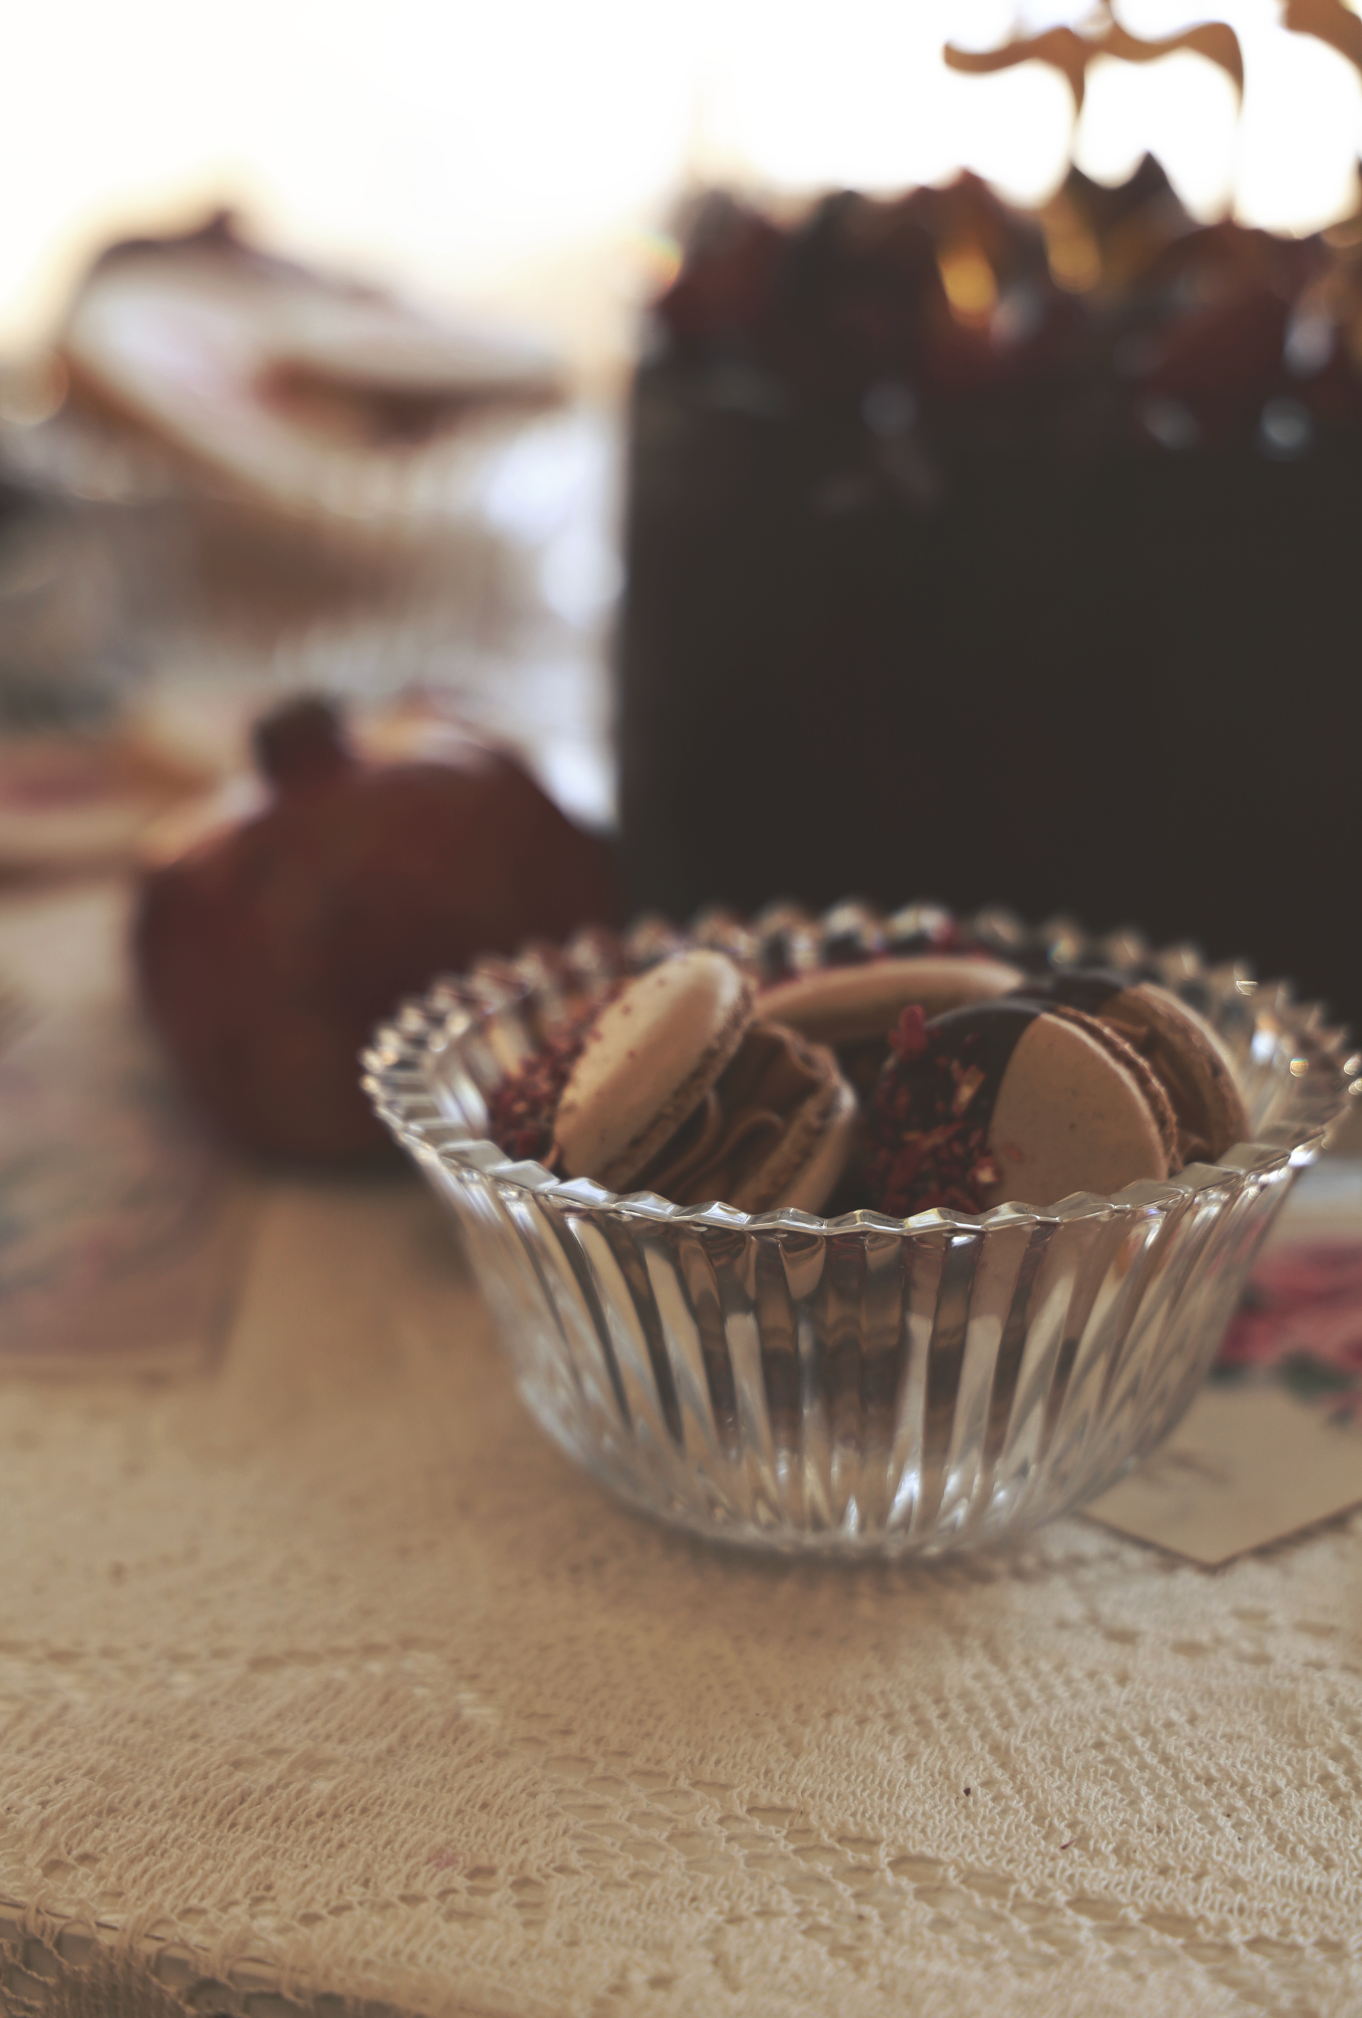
{"type": "Point", "coordinates": [968, 1079]}
{"type": "Point", "coordinates": [926, 1134]}
{"type": "Point", "coordinates": [908, 1038]}
{"type": "Point", "coordinates": [520, 1111]}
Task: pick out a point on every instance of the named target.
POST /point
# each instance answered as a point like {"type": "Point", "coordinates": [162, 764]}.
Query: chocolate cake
{"type": "Point", "coordinates": [1004, 557]}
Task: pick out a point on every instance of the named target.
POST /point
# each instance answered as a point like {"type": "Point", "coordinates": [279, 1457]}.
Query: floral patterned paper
{"type": "Point", "coordinates": [1300, 1324]}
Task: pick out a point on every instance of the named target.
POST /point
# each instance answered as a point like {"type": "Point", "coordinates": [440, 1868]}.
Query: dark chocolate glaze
{"type": "Point", "coordinates": [1085, 988]}
{"type": "Point", "coordinates": [990, 1030]}
{"type": "Point", "coordinates": [927, 1126]}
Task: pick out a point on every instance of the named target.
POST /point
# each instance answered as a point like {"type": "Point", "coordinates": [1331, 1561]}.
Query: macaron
{"type": "Point", "coordinates": [679, 1089]}
{"type": "Point", "coordinates": [854, 1008]}
{"type": "Point", "coordinates": [1185, 1054]}
{"type": "Point", "coordinates": [1011, 1100]}
{"type": "Point", "coordinates": [842, 1005]}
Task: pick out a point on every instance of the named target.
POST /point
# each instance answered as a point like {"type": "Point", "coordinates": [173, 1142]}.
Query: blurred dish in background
{"type": "Point", "coordinates": [83, 801]}
{"type": "Point", "coordinates": [233, 478]}
{"type": "Point", "coordinates": [307, 392]}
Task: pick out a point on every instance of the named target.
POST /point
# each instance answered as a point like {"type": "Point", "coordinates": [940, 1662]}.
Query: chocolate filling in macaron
{"type": "Point", "coordinates": [1011, 1099]}
{"type": "Point", "coordinates": [734, 1144]}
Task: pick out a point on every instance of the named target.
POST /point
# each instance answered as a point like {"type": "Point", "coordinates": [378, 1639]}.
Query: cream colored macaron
{"type": "Point", "coordinates": [651, 1056]}
{"type": "Point", "coordinates": [678, 1090]}
{"type": "Point", "coordinates": [843, 1005]}
{"type": "Point", "coordinates": [1185, 1054]}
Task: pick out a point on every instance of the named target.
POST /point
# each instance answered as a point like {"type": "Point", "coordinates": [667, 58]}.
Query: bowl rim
{"type": "Point", "coordinates": [397, 1076]}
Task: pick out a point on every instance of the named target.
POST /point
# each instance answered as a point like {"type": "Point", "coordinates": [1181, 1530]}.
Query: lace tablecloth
{"type": "Point", "coordinates": [326, 1684]}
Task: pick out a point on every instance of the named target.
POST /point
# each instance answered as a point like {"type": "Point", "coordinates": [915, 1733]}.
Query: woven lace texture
{"type": "Point", "coordinates": [324, 1679]}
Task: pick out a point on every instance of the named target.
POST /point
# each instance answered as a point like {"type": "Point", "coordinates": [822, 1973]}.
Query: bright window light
{"type": "Point", "coordinates": [522, 151]}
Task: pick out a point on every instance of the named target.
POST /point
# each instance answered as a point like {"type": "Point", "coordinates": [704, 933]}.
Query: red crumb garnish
{"type": "Point", "coordinates": [926, 1138]}
{"type": "Point", "coordinates": [520, 1111]}
{"type": "Point", "coordinates": [908, 1038]}
{"type": "Point", "coordinates": [968, 1079]}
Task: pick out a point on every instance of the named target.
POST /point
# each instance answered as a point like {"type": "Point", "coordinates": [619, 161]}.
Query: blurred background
{"type": "Point", "coordinates": [530, 155]}
{"type": "Point", "coordinates": [328, 364]}
{"type": "Point", "coordinates": [516, 171]}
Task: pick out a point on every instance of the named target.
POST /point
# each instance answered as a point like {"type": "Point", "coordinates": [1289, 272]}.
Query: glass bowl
{"type": "Point", "coordinates": [860, 1385]}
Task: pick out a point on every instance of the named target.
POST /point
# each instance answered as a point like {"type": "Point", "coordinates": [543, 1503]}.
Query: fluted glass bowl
{"type": "Point", "coordinates": [860, 1385]}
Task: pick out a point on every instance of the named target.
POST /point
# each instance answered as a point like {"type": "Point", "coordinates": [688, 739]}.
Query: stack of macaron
{"type": "Point", "coordinates": [676, 1086]}
{"type": "Point", "coordinates": [896, 1084]}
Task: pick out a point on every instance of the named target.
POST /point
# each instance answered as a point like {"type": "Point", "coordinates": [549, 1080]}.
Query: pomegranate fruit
{"type": "Point", "coordinates": [267, 952]}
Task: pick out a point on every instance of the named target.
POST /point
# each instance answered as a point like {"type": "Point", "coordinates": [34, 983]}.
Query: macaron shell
{"type": "Point", "coordinates": [1195, 1068]}
{"type": "Point", "coordinates": [1070, 1116]}
{"type": "Point", "coordinates": [1187, 1056]}
{"type": "Point", "coordinates": [653, 1054]}
{"type": "Point", "coordinates": [841, 1005]}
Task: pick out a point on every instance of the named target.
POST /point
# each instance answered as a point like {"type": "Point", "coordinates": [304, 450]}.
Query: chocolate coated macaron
{"type": "Point", "coordinates": [1011, 1100]}
{"type": "Point", "coordinates": [1187, 1057]}
{"type": "Point", "coordinates": [679, 1090]}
